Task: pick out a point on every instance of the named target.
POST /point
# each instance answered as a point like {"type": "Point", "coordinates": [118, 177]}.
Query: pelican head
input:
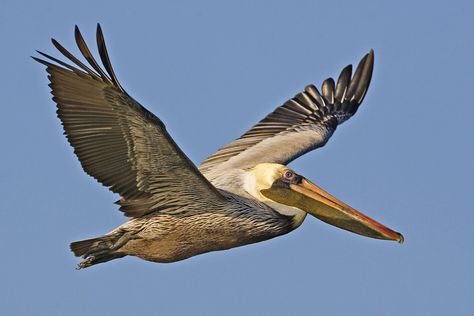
{"type": "Point", "coordinates": [292, 194]}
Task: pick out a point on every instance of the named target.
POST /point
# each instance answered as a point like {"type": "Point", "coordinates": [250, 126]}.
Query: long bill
{"type": "Point", "coordinates": [327, 208]}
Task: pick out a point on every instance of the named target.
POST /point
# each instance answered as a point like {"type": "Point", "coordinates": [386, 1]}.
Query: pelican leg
{"type": "Point", "coordinates": [99, 258]}
{"type": "Point", "coordinates": [125, 238]}
{"type": "Point", "coordinates": [105, 248]}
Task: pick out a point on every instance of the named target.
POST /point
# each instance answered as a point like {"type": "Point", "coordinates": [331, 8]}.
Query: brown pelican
{"type": "Point", "coordinates": [240, 195]}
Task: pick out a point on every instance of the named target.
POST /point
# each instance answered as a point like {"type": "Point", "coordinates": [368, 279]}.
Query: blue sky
{"type": "Point", "coordinates": [210, 70]}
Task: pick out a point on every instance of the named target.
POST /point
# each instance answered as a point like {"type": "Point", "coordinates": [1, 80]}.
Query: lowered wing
{"type": "Point", "coordinates": [119, 142]}
{"type": "Point", "coordinates": [302, 124]}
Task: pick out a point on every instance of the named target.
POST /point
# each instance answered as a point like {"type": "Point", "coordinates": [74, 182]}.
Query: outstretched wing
{"type": "Point", "coordinates": [119, 142]}
{"type": "Point", "coordinates": [300, 125]}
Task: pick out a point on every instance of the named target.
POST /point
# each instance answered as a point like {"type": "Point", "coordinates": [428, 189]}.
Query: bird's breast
{"type": "Point", "coordinates": [168, 238]}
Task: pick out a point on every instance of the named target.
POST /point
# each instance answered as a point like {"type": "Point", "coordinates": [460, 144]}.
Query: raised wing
{"type": "Point", "coordinates": [119, 142]}
{"type": "Point", "coordinates": [302, 124]}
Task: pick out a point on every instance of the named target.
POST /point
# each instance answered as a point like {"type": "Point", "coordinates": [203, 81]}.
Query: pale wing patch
{"type": "Point", "coordinates": [277, 149]}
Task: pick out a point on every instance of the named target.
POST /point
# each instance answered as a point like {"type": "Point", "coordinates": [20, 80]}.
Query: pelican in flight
{"type": "Point", "coordinates": [242, 194]}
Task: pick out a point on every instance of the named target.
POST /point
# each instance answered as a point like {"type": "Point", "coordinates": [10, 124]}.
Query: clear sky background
{"type": "Point", "coordinates": [210, 70]}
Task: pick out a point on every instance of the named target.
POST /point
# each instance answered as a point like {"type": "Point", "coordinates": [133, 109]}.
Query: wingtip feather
{"type": "Point", "coordinates": [361, 80]}
{"type": "Point", "coordinates": [104, 56]}
{"type": "Point", "coordinates": [343, 83]}
{"type": "Point", "coordinates": [365, 77]}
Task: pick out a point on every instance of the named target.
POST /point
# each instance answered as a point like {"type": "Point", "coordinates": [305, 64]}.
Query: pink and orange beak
{"type": "Point", "coordinates": [317, 202]}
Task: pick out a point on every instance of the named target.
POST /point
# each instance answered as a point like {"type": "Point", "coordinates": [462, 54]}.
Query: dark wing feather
{"type": "Point", "coordinates": [300, 125]}
{"type": "Point", "coordinates": [120, 143]}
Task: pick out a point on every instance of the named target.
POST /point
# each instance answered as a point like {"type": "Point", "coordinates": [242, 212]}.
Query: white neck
{"type": "Point", "coordinates": [252, 188]}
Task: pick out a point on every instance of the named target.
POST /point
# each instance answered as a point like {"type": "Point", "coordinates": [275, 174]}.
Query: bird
{"type": "Point", "coordinates": [244, 193]}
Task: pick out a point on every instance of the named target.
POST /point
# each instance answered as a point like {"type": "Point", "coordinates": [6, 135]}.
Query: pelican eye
{"type": "Point", "coordinates": [289, 176]}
